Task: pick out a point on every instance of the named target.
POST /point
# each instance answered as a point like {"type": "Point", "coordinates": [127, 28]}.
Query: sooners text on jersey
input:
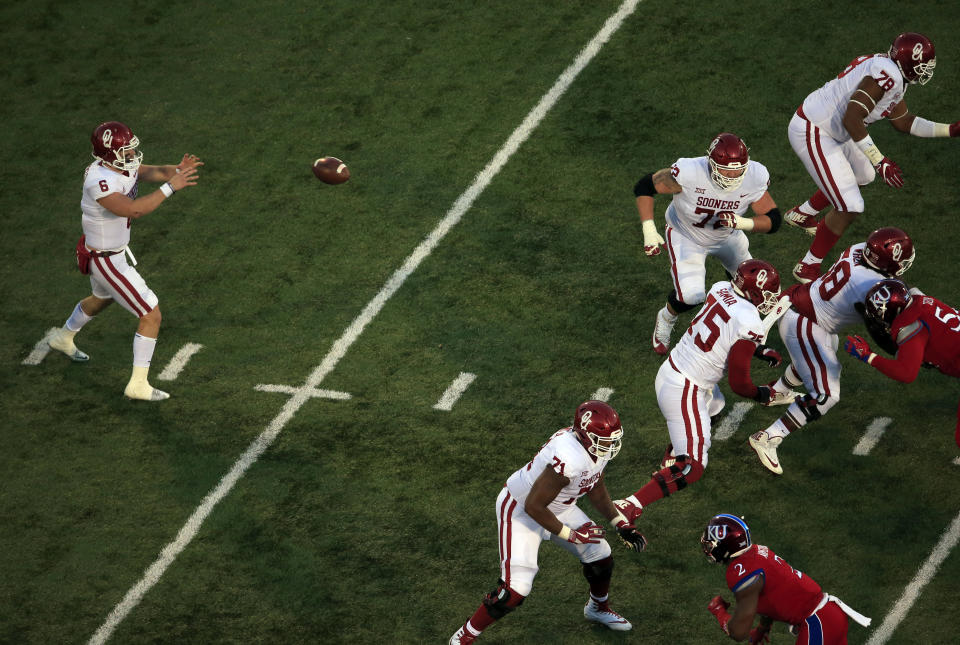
{"type": "Point", "coordinates": [694, 210]}
{"type": "Point", "coordinates": [788, 595]}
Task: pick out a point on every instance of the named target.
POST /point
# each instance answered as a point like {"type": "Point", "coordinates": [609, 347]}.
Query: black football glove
{"type": "Point", "coordinates": [768, 355]}
{"type": "Point", "coordinates": [632, 538]}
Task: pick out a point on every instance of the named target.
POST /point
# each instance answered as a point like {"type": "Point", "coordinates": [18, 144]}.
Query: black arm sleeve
{"type": "Point", "coordinates": [775, 219]}
{"type": "Point", "coordinates": [645, 186]}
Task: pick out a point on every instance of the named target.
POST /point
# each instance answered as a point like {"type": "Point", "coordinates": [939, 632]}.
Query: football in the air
{"type": "Point", "coordinates": [331, 170]}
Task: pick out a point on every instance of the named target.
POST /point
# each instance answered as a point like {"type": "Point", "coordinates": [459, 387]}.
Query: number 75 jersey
{"type": "Point", "coordinates": [702, 353]}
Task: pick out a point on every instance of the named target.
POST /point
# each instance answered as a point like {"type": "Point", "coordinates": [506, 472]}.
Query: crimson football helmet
{"type": "Point", "coordinates": [116, 145]}
{"type": "Point", "coordinates": [598, 427]}
{"type": "Point", "coordinates": [890, 251]}
{"type": "Point", "coordinates": [725, 537]}
{"type": "Point", "coordinates": [758, 281]}
{"type": "Point", "coordinates": [728, 152]}
{"type": "Point", "coordinates": [886, 300]}
{"type": "Point", "coordinates": [915, 56]}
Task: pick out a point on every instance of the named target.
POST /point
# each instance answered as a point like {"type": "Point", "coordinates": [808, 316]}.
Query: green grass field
{"type": "Point", "coordinates": [371, 519]}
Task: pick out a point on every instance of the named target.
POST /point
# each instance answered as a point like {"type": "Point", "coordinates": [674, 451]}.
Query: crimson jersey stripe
{"type": "Point", "coordinates": [506, 533]}
{"type": "Point", "coordinates": [673, 264]}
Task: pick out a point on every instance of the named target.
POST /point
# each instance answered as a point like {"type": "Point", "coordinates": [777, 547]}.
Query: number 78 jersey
{"type": "Point", "coordinates": [702, 353]}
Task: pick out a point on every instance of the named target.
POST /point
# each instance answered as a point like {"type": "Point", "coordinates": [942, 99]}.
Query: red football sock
{"type": "Point", "coordinates": [819, 201]}
{"type": "Point", "coordinates": [481, 619]}
{"type": "Point", "coordinates": [824, 241]}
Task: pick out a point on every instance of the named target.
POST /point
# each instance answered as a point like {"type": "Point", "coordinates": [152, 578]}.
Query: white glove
{"type": "Point", "coordinates": [651, 238]}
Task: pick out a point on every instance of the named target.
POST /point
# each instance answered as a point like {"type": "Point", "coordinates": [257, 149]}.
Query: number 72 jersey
{"type": "Point", "coordinates": [702, 353]}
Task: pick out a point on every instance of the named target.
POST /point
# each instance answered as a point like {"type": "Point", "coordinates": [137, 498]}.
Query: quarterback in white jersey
{"type": "Point", "coordinates": [723, 337]}
{"type": "Point", "coordinates": [829, 135]}
{"type": "Point", "coordinates": [711, 194]}
{"type": "Point", "coordinates": [109, 205]}
{"type": "Point", "coordinates": [819, 311]}
{"type": "Point", "coordinates": [539, 502]}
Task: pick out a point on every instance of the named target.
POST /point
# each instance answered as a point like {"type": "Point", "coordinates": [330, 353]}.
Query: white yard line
{"type": "Point", "coordinates": [179, 361]}
{"type": "Point", "coordinates": [874, 431]}
{"type": "Point", "coordinates": [455, 391]}
{"type": "Point", "coordinates": [41, 349]}
{"type": "Point", "coordinates": [910, 594]}
{"type": "Point", "coordinates": [301, 395]}
{"type": "Point", "coordinates": [731, 422]}
{"type": "Point", "coordinates": [602, 394]}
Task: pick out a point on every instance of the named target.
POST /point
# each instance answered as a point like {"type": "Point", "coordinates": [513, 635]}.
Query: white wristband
{"type": "Point", "coordinates": [923, 128]}
{"type": "Point", "coordinates": [744, 223]}
{"type": "Point", "coordinates": [870, 149]}
{"type": "Point", "coordinates": [564, 533]}
{"type": "Point", "coordinates": [167, 189]}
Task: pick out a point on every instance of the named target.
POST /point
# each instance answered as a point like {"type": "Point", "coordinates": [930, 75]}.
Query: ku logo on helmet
{"type": "Point", "coordinates": [717, 532]}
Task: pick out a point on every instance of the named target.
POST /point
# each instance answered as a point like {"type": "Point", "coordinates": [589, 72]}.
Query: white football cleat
{"type": "Point", "coordinates": [766, 448]}
{"type": "Point", "coordinates": [60, 342]}
{"type": "Point", "coordinates": [661, 333]}
{"type": "Point", "coordinates": [602, 614]}
{"type": "Point", "coordinates": [807, 223]}
{"type": "Point", "coordinates": [462, 637]}
{"type": "Point", "coordinates": [143, 391]}
{"type": "Point", "coordinates": [782, 398]}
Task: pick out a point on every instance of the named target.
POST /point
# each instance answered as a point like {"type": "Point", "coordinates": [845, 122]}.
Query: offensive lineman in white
{"type": "Point", "coordinates": [819, 311]}
{"type": "Point", "coordinates": [705, 217]}
{"type": "Point", "coordinates": [723, 337]}
{"type": "Point", "coordinates": [109, 205]}
{"type": "Point", "coordinates": [539, 502]}
{"type": "Point", "coordinates": [829, 135]}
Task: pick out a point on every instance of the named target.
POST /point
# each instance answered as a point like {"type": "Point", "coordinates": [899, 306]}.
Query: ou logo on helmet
{"type": "Point", "coordinates": [761, 278]}
{"type": "Point", "coordinates": [917, 53]}
{"type": "Point", "coordinates": [717, 532]}
{"type": "Point", "coordinates": [107, 138]}
{"type": "Point", "coordinates": [896, 251]}
{"type": "Point", "coordinates": [585, 419]}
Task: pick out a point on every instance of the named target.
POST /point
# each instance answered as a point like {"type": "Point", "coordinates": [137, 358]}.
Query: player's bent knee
{"type": "Point", "coordinates": [690, 301]}
{"type": "Point", "coordinates": [677, 476]}
{"type": "Point", "coordinates": [598, 570]}
{"type": "Point", "coordinates": [502, 600]}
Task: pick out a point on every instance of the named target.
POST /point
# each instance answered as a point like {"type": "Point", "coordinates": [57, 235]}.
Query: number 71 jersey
{"type": "Point", "coordinates": [565, 455]}
{"type": "Point", "coordinates": [702, 353]}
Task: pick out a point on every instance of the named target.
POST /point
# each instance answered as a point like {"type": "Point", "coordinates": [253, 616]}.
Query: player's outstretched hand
{"type": "Point", "coordinates": [188, 161]}
{"type": "Point", "coordinates": [858, 348]}
{"type": "Point", "coordinates": [184, 178]}
{"type": "Point", "coordinates": [631, 537]}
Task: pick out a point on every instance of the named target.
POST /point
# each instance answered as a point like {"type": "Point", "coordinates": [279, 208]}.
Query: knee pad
{"type": "Point", "coordinates": [678, 475]}
{"type": "Point", "coordinates": [501, 601]}
{"type": "Point", "coordinates": [678, 306]}
{"type": "Point", "coordinates": [599, 571]}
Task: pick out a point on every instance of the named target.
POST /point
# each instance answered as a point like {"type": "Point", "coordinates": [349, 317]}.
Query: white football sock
{"type": "Point", "coordinates": [143, 347]}
{"type": "Point", "coordinates": [77, 320]}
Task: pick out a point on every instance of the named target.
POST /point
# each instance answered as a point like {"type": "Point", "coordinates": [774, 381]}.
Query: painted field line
{"type": "Point", "coordinates": [602, 394]}
{"type": "Point", "coordinates": [455, 391]}
{"type": "Point", "coordinates": [179, 361]}
{"type": "Point", "coordinates": [956, 461]}
{"type": "Point", "coordinates": [41, 349]}
{"type": "Point", "coordinates": [731, 422]}
{"type": "Point", "coordinates": [912, 591]}
{"type": "Point", "coordinates": [301, 395]}
{"type": "Point", "coordinates": [874, 431]}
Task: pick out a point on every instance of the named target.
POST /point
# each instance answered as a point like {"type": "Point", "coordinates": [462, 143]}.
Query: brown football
{"type": "Point", "coordinates": [331, 170]}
